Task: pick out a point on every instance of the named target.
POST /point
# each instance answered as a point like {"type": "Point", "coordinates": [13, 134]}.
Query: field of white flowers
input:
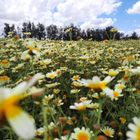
{"type": "Point", "coordinates": [59, 90]}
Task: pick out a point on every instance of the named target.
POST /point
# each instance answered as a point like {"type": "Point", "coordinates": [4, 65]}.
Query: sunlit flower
{"type": "Point", "coordinates": [45, 62]}
{"type": "Point", "coordinates": [47, 98]}
{"type": "Point", "coordinates": [81, 134]}
{"type": "Point", "coordinates": [9, 108]}
{"type": "Point", "coordinates": [122, 120]}
{"type": "Point", "coordinates": [120, 86]}
{"type": "Point", "coordinates": [76, 84]}
{"type": "Point", "coordinates": [52, 74]}
{"type": "Point", "coordinates": [52, 125]}
{"type": "Point", "coordinates": [52, 85]}
{"type": "Point", "coordinates": [4, 79]}
{"type": "Point", "coordinates": [26, 33]}
{"type": "Point", "coordinates": [56, 91]}
{"type": "Point", "coordinates": [96, 96]}
{"type": "Point", "coordinates": [96, 83]}
{"type": "Point", "coordinates": [40, 132]}
{"type": "Point", "coordinates": [113, 72]}
{"type": "Point", "coordinates": [110, 49]}
{"type": "Point", "coordinates": [33, 50]}
{"type": "Point", "coordinates": [134, 132]}
{"type": "Point", "coordinates": [82, 105]}
{"type": "Point", "coordinates": [18, 67]}
{"type": "Point", "coordinates": [108, 131]}
{"type": "Point", "coordinates": [76, 77]}
{"type": "Point", "coordinates": [5, 63]}
{"type": "Point", "coordinates": [83, 99]}
{"type": "Point", "coordinates": [116, 94]}
{"type": "Point", "coordinates": [74, 91]}
{"type": "Point", "coordinates": [59, 102]}
{"type": "Point", "coordinates": [25, 55]}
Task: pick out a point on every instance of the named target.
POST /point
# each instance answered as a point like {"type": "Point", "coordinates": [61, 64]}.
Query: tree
{"type": "Point", "coordinates": [134, 36]}
{"type": "Point", "coordinates": [8, 28]}
{"type": "Point", "coordinates": [40, 31]}
{"type": "Point", "coordinates": [52, 32]}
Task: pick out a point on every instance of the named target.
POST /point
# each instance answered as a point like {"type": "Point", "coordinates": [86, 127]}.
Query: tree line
{"type": "Point", "coordinates": [70, 32]}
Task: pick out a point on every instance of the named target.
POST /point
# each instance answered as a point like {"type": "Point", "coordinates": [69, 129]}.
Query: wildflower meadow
{"type": "Point", "coordinates": [69, 90]}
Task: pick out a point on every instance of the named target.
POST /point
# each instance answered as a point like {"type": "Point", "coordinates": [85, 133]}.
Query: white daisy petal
{"type": "Point", "coordinates": [107, 79]}
{"type": "Point", "coordinates": [34, 79]}
{"type": "Point", "coordinates": [136, 121]}
{"type": "Point", "coordinates": [96, 79]}
{"type": "Point", "coordinates": [133, 133]}
{"type": "Point", "coordinates": [108, 92]}
{"type": "Point", "coordinates": [20, 88]}
{"type": "Point", "coordinates": [4, 93]}
{"type": "Point", "coordinates": [130, 134]}
{"type": "Point", "coordinates": [132, 126]}
{"type": "Point", "coordinates": [21, 123]}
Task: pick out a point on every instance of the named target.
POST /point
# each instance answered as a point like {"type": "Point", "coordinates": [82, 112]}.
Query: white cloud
{"type": "Point", "coordinates": [135, 8]}
{"type": "Point", "coordinates": [61, 12]}
{"type": "Point", "coordinates": [136, 30]}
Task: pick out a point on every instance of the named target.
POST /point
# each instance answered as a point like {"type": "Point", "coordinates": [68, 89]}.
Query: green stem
{"type": "Point", "coordinates": [45, 123]}
{"type": "Point", "coordinates": [59, 132]}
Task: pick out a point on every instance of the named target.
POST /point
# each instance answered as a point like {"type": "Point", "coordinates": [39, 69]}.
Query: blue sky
{"type": "Point", "coordinates": [125, 21]}
{"type": "Point", "coordinates": [123, 14]}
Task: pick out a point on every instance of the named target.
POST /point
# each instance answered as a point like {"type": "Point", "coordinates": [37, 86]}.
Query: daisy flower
{"type": "Point", "coordinates": [134, 132]}
{"type": "Point", "coordinates": [108, 131]}
{"type": "Point", "coordinates": [81, 106]}
{"type": "Point", "coordinates": [113, 72]}
{"type": "Point", "coordinates": [4, 79]}
{"type": "Point", "coordinates": [5, 63]}
{"type": "Point", "coordinates": [9, 108]}
{"type": "Point", "coordinates": [116, 93]}
{"type": "Point", "coordinates": [75, 77]}
{"type": "Point", "coordinates": [81, 134]}
{"type": "Point", "coordinates": [40, 132]}
{"type": "Point", "coordinates": [95, 83]}
{"type": "Point", "coordinates": [52, 74]}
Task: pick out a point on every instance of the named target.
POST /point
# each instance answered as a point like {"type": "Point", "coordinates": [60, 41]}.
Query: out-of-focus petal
{"type": "Point", "coordinates": [4, 93]}
{"type": "Point", "coordinates": [108, 79]}
{"type": "Point", "coordinates": [96, 79]}
{"type": "Point", "coordinates": [21, 122]}
{"type": "Point", "coordinates": [20, 88]}
{"type": "Point", "coordinates": [34, 79]}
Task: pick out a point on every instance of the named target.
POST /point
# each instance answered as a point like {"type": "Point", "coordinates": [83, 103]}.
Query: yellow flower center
{"type": "Point", "coordinates": [4, 78]}
{"type": "Point", "coordinates": [116, 94]}
{"type": "Point", "coordinates": [12, 111]}
{"type": "Point", "coordinates": [82, 107]}
{"type": "Point", "coordinates": [76, 77]}
{"type": "Point", "coordinates": [31, 48]}
{"type": "Point", "coordinates": [51, 75]}
{"type": "Point", "coordinates": [107, 133]}
{"type": "Point", "coordinates": [138, 134]}
{"type": "Point", "coordinates": [82, 136]}
{"type": "Point", "coordinates": [123, 120]}
{"type": "Point", "coordinates": [121, 86]}
{"type": "Point", "coordinates": [4, 62]}
{"type": "Point", "coordinates": [97, 86]}
{"type": "Point", "coordinates": [112, 73]}
{"type": "Point", "coordinates": [9, 106]}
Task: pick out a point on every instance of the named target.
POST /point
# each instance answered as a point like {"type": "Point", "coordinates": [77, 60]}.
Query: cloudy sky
{"type": "Point", "coordinates": [123, 14]}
